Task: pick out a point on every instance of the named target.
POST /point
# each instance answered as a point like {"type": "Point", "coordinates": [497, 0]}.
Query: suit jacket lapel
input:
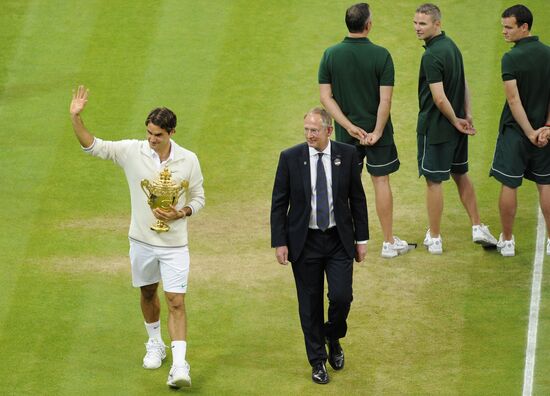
{"type": "Point", "coordinates": [303, 164]}
{"type": "Point", "coordinates": [335, 162]}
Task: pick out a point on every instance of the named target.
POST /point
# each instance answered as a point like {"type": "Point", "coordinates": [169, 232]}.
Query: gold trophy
{"type": "Point", "coordinates": [162, 193]}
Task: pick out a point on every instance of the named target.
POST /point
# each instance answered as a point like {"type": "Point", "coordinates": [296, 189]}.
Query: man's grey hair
{"type": "Point", "coordinates": [431, 10]}
{"type": "Point", "coordinates": [326, 119]}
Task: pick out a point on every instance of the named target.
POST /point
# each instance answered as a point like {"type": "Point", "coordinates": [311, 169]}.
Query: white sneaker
{"type": "Point", "coordinates": [390, 250]}
{"type": "Point", "coordinates": [506, 248]}
{"type": "Point", "coordinates": [434, 245]}
{"type": "Point", "coordinates": [482, 235]}
{"type": "Point", "coordinates": [179, 377]}
{"type": "Point", "coordinates": [156, 353]}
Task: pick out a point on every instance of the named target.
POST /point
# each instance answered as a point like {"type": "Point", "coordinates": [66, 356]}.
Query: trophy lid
{"type": "Point", "coordinates": [165, 178]}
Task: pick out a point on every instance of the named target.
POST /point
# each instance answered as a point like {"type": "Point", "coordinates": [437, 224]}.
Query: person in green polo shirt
{"type": "Point", "coordinates": [356, 79]}
{"type": "Point", "coordinates": [522, 149]}
{"type": "Point", "coordinates": [444, 123]}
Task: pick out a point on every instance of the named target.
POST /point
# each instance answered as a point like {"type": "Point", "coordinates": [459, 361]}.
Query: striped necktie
{"type": "Point", "coordinates": [322, 195]}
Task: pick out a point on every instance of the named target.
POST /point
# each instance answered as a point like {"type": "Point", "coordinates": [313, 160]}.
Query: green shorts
{"type": "Point", "coordinates": [381, 160]}
{"type": "Point", "coordinates": [517, 158]}
{"type": "Point", "coordinates": [436, 162]}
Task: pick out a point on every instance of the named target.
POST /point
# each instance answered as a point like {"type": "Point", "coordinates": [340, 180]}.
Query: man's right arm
{"type": "Point", "coordinates": [327, 100]}
{"type": "Point", "coordinates": [279, 207]}
{"type": "Point", "coordinates": [80, 98]}
{"type": "Point", "coordinates": [382, 115]}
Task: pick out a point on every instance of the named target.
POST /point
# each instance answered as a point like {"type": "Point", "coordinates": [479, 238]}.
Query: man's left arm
{"type": "Point", "coordinates": [518, 111]}
{"type": "Point", "coordinates": [544, 136]}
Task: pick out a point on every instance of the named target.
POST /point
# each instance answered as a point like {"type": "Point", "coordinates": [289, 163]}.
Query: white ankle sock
{"type": "Point", "coordinates": [179, 348]}
{"type": "Point", "coordinates": [153, 330]}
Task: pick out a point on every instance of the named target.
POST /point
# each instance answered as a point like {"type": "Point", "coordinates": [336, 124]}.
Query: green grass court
{"type": "Point", "coordinates": [240, 75]}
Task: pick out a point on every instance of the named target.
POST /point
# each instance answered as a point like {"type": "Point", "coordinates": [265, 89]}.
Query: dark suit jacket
{"type": "Point", "coordinates": [291, 199]}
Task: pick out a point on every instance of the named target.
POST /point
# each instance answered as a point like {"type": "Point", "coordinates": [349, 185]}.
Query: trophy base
{"type": "Point", "coordinates": [160, 226]}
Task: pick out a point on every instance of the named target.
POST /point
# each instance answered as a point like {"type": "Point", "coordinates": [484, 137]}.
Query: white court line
{"type": "Point", "coordinates": [529, 373]}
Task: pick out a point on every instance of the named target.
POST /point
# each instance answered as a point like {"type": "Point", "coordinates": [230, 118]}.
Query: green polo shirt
{"type": "Point", "coordinates": [528, 62]}
{"type": "Point", "coordinates": [355, 69]}
{"type": "Point", "coordinates": [441, 62]}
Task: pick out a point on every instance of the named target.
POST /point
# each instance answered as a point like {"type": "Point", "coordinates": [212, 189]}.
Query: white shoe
{"type": "Point", "coordinates": [179, 377]}
{"type": "Point", "coordinates": [434, 245]}
{"type": "Point", "coordinates": [506, 248]}
{"type": "Point", "coordinates": [482, 235]}
{"type": "Point", "coordinates": [548, 247]}
{"type": "Point", "coordinates": [390, 250]}
{"type": "Point", "coordinates": [156, 353]}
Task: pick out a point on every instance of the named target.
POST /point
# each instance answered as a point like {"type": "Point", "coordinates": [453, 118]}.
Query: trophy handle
{"type": "Point", "coordinates": [145, 187]}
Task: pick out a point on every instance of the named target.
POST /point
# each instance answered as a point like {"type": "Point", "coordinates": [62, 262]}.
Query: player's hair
{"type": "Point", "coordinates": [522, 14]}
{"type": "Point", "coordinates": [326, 119]}
{"type": "Point", "coordinates": [431, 10]}
{"type": "Point", "coordinates": [357, 17]}
{"type": "Point", "coordinates": [163, 118]}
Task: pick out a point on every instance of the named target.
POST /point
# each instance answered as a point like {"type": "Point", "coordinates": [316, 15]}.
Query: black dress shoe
{"type": "Point", "coordinates": [335, 354]}
{"type": "Point", "coordinates": [319, 374]}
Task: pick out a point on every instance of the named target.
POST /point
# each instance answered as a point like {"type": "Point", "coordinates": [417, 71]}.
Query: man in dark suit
{"type": "Point", "coordinates": [319, 223]}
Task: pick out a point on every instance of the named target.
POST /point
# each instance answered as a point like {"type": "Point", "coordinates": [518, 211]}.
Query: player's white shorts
{"type": "Point", "coordinates": [150, 264]}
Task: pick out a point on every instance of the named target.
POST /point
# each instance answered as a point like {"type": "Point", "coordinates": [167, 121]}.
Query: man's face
{"type": "Point", "coordinates": [511, 31]}
{"type": "Point", "coordinates": [425, 27]}
{"type": "Point", "coordinates": [158, 138]}
{"type": "Point", "coordinates": [317, 136]}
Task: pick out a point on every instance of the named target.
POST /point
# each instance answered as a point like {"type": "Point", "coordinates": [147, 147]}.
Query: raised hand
{"type": "Point", "coordinates": [80, 98]}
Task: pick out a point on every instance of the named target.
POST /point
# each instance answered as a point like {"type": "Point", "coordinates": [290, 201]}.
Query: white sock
{"type": "Point", "coordinates": [153, 330]}
{"type": "Point", "coordinates": [178, 353]}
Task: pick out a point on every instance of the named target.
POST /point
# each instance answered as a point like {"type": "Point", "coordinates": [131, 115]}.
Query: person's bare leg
{"type": "Point", "coordinates": [467, 196]}
{"type": "Point", "coordinates": [434, 203]}
{"type": "Point", "coordinates": [177, 323]}
{"type": "Point", "coordinates": [507, 207]}
{"type": "Point", "coordinates": [544, 200]}
{"type": "Point", "coordinates": [150, 303]}
{"type": "Point", "coordinates": [384, 205]}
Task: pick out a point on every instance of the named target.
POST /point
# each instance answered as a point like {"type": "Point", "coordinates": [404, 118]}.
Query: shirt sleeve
{"type": "Point", "coordinates": [324, 72]}
{"type": "Point", "coordinates": [195, 191]}
{"type": "Point", "coordinates": [387, 77]}
{"type": "Point", "coordinates": [116, 151]}
{"type": "Point", "coordinates": [507, 67]}
{"type": "Point", "coordinates": [433, 68]}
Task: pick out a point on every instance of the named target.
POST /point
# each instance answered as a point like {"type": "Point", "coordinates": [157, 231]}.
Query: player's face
{"type": "Point", "coordinates": [425, 27]}
{"type": "Point", "coordinates": [317, 136]}
{"type": "Point", "coordinates": [158, 138]}
{"type": "Point", "coordinates": [511, 31]}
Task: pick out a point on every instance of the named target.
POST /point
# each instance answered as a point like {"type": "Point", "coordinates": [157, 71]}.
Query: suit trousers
{"type": "Point", "coordinates": [323, 254]}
